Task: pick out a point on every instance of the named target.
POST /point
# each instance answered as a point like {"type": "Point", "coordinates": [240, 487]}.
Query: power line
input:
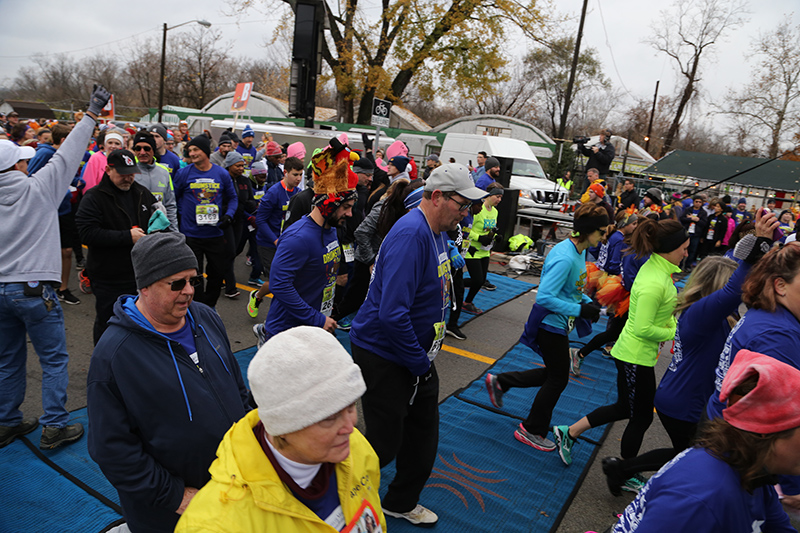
{"type": "Point", "coordinates": [122, 39]}
{"type": "Point", "coordinates": [608, 44]}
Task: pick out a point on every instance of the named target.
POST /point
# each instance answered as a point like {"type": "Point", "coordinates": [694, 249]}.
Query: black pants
{"type": "Point", "coordinates": [215, 252]}
{"type": "Point", "coordinates": [552, 379]}
{"type": "Point", "coordinates": [356, 292]}
{"type": "Point", "coordinates": [615, 326]}
{"type": "Point", "coordinates": [477, 268]}
{"type": "Point", "coordinates": [636, 389]}
{"type": "Point", "coordinates": [232, 235]}
{"type": "Point", "coordinates": [106, 294]}
{"type": "Point", "coordinates": [458, 290]}
{"type": "Point", "coordinates": [401, 412]}
{"type": "Point", "coordinates": [681, 433]}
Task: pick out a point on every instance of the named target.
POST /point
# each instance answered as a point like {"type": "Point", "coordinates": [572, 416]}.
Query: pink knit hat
{"type": "Point", "coordinates": [772, 406]}
{"type": "Point", "coordinates": [297, 150]}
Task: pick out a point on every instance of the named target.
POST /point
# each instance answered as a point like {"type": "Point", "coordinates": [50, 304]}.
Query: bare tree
{"type": "Point", "coordinates": [685, 34]}
{"type": "Point", "coordinates": [763, 108]}
{"type": "Point", "coordinates": [206, 69]}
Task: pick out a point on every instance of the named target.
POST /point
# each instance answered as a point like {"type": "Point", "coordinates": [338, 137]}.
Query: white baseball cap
{"type": "Point", "coordinates": [10, 153]}
{"type": "Point", "coordinates": [454, 177]}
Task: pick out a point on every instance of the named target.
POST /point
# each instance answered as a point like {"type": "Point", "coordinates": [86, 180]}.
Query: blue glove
{"type": "Point", "coordinates": [456, 259]}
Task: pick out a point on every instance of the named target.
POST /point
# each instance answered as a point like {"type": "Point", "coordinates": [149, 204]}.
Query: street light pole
{"type": "Point", "coordinates": [164, 61]}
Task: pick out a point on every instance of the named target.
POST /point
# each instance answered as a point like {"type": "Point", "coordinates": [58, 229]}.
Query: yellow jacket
{"type": "Point", "coordinates": [245, 493]}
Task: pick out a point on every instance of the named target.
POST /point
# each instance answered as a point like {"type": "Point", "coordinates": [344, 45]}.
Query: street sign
{"type": "Point", "coordinates": [107, 113]}
{"type": "Point", "coordinates": [241, 97]}
{"type": "Point", "coordinates": [381, 109]}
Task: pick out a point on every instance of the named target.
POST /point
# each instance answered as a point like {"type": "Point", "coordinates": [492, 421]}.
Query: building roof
{"type": "Point", "coordinates": [31, 109]}
{"type": "Point", "coordinates": [778, 174]}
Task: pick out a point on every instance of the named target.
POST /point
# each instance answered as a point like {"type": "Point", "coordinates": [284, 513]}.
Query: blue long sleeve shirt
{"type": "Point", "coordinates": [561, 285]}
{"type": "Point", "coordinates": [702, 329]}
{"type": "Point", "coordinates": [304, 268]}
{"type": "Point", "coordinates": [408, 294]}
{"type": "Point", "coordinates": [198, 194]}
{"type": "Point", "coordinates": [171, 161]}
{"type": "Point", "coordinates": [698, 492]}
{"type": "Point", "coordinates": [610, 257]}
{"type": "Point", "coordinates": [630, 267]}
{"type": "Point", "coordinates": [271, 213]}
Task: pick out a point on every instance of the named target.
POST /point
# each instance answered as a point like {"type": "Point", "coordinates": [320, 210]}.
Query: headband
{"type": "Point", "coordinates": [328, 203]}
{"type": "Point", "coordinates": [115, 135]}
{"type": "Point", "coordinates": [414, 198]}
{"type": "Point", "coordinates": [669, 243]}
{"type": "Point", "coordinates": [588, 225]}
{"type": "Point", "coordinates": [629, 219]}
{"type": "Point", "coordinates": [497, 191]}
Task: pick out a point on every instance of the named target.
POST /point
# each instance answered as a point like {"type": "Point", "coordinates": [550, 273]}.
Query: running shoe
{"type": "Point", "coordinates": [456, 333]}
{"type": "Point", "coordinates": [488, 286]}
{"type": "Point", "coordinates": [80, 264]}
{"type": "Point", "coordinates": [248, 261]}
{"type": "Point", "coordinates": [252, 304]}
{"type": "Point", "coordinates": [260, 333]}
{"type": "Point", "coordinates": [606, 351]}
{"type": "Point", "coordinates": [540, 443]}
{"type": "Point", "coordinates": [344, 324]}
{"type": "Point", "coordinates": [612, 468]}
{"type": "Point", "coordinates": [418, 516]}
{"type": "Point", "coordinates": [575, 361]}
{"type": "Point", "coordinates": [85, 283]}
{"type": "Point", "coordinates": [564, 443]}
{"type": "Point", "coordinates": [470, 308]}
{"type": "Point", "coordinates": [635, 484]}
{"type": "Point", "coordinates": [232, 295]}
{"type": "Point", "coordinates": [494, 390]}
{"type": "Point", "coordinates": [67, 297]}
{"type": "Point", "coordinates": [255, 282]}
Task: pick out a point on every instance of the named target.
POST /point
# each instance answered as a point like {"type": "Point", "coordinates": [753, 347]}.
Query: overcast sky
{"type": "Point", "coordinates": [615, 27]}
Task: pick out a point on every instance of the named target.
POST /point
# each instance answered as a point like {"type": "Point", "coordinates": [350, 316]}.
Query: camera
{"type": "Point", "coordinates": [580, 140]}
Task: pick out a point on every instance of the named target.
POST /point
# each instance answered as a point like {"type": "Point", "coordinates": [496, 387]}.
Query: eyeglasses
{"type": "Point", "coordinates": [461, 207]}
{"type": "Point", "coordinates": [145, 147]}
{"type": "Point", "coordinates": [179, 284]}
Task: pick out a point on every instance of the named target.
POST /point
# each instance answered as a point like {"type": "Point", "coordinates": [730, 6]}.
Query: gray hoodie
{"type": "Point", "coordinates": [156, 179]}
{"type": "Point", "coordinates": [30, 246]}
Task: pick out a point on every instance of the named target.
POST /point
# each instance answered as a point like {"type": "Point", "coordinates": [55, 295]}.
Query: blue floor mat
{"type": "Point", "coordinates": [484, 478]}
{"type": "Point", "coordinates": [596, 386]}
{"type": "Point", "coordinates": [507, 289]}
{"type": "Point", "coordinates": [44, 499]}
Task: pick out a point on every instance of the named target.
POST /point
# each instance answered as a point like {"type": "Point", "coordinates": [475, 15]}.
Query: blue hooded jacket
{"type": "Point", "coordinates": [155, 417]}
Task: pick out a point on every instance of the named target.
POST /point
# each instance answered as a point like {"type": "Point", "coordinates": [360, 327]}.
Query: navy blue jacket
{"type": "Point", "coordinates": [155, 418]}
{"type": "Point", "coordinates": [610, 257]}
{"type": "Point", "coordinates": [700, 337]}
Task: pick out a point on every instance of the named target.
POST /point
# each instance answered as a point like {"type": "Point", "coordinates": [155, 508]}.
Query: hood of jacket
{"type": "Point", "coordinates": [13, 185]}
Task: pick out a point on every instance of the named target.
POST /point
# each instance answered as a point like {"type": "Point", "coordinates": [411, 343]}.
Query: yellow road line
{"type": "Point", "coordinates": [469, 355]}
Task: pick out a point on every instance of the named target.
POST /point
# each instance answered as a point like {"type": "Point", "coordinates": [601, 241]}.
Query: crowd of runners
{"type": "Point", "coordinates": [377, 244]}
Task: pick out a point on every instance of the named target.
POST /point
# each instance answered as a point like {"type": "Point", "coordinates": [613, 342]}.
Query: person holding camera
{"type": "Point", "coordinates": [600, 155]}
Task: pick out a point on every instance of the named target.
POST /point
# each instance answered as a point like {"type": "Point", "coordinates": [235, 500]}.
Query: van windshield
{"type": "Point", "coordinates": [527, 168]}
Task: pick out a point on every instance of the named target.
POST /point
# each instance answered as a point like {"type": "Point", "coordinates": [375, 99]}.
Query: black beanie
{"type": "Point", "coordinates": [145, 137]}
{"type": "Point", "coordinates": [202, 142]}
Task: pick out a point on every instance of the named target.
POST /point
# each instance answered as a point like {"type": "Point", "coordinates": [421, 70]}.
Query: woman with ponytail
{"type": "Point", "coordinates": [560, 306]}
{"type": "Point", "coordinates": [651, 322]}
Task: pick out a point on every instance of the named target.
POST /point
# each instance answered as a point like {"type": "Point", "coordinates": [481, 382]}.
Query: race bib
{"type": "Point", "coordinates": [327, 299]}
{"type": "Point", "coordinates": [349, 253]}
{"type": "Point", "coordinates": [207, 214]}
{"type": "Point", "coordinates": [364, 521]}
{"type": "Point", "coordinates": [710, 234]}
{"type": "Point", "coordinates": [692, 227]}
{"type": "Point", "coordinates": [439, 329]}
{"type": "Point", "coordinates": [258, 194]}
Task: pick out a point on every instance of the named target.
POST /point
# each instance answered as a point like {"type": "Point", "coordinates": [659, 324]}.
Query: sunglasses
{"type": "Point", "coordinates": [461, 207]}
{"type": "Point", "coordinates": [179, 284]}
{"type": "Point", "coordinates": [145, 147]}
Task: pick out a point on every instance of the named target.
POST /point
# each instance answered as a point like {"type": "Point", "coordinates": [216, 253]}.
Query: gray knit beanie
{"type": "Point", "coordinates": [232, 158]}
{"type": "Point", "coordinates": [300, 377]}
{"type": "Point", "coordinates": [160, 255]}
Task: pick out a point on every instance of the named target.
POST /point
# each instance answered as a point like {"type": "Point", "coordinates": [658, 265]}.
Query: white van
{"type": "Point", "coordinates": [527, 175]}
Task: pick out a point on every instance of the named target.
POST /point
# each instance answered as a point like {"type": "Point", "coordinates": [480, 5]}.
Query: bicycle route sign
{"type": "Point", "coordinates": [381, 109]}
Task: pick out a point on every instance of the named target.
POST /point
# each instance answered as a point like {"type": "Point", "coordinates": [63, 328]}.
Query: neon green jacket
{"type": "Point", "coordinates": [483, 223]}
{"type": "Point", "coordinates": [245, 493]}
{"type": "Point", "coordinates": [651, 320]}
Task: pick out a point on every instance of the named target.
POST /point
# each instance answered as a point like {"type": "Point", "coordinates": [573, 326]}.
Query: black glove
{"type": "Point", "coordinates": [590, 311]}
{"type": "Point", "coordinates": [472, 250]}
{"type": "Point", "coordinates": [367, 142]}
{"type": "Point", "coordinates": [98, 100]}
{"type": "Point", "coordinates": [485, 239]}
{"type": "Point", "coordinates": [751, 248]}
{"type": "Point", "coordinates": [225, 221]}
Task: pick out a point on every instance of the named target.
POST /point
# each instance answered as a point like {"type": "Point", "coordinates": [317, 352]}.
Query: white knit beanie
{"type": "Point", "coordinates": [300, 377]}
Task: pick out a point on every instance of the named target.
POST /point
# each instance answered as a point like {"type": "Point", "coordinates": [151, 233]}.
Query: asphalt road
{"type": "Point", "coordinates": [489, 335]}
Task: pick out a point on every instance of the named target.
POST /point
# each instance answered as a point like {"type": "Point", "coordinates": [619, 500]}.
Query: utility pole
{"type": "Point", "coordinates": [650, 126]}
{"type": "Point", "coordinates": [563, 126]}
